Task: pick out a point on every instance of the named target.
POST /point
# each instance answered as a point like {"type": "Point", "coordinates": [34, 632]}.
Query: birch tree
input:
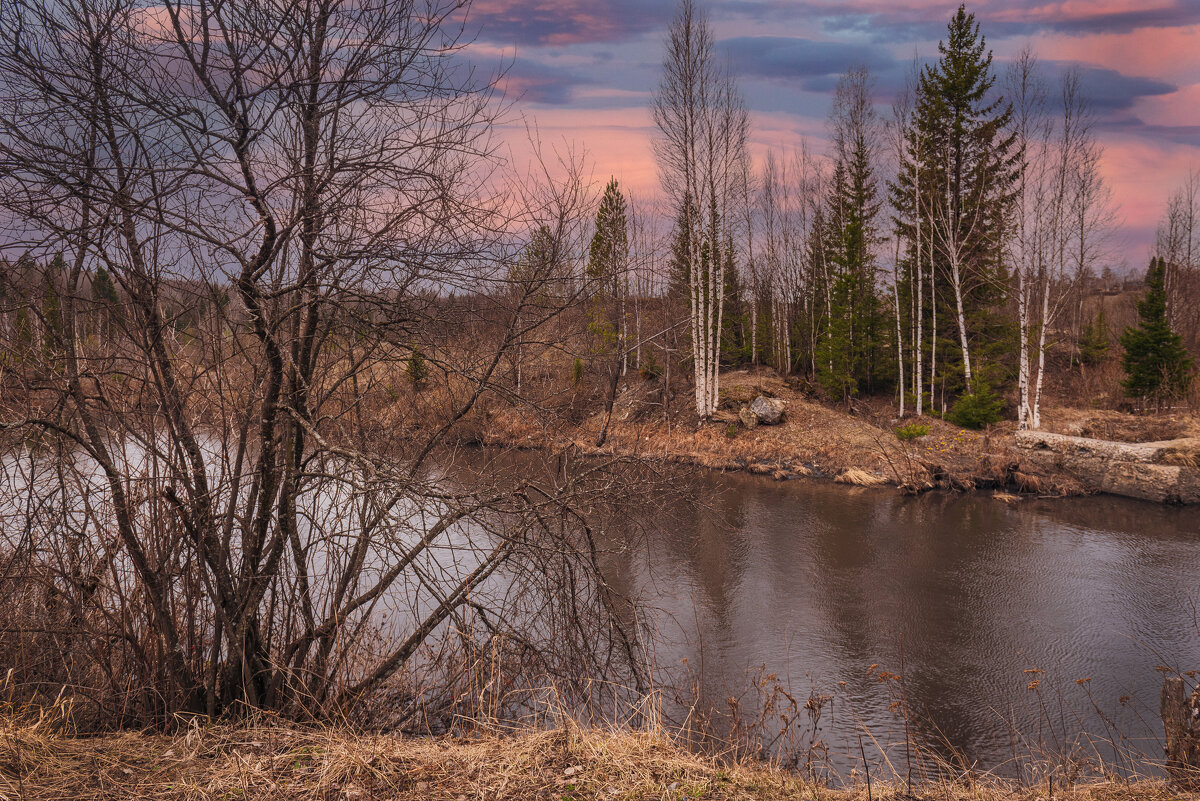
{"type": "Point", "coordinates": [703, 127]}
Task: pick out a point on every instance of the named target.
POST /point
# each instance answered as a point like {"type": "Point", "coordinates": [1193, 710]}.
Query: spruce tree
{"type": "Point", "coordinates": [958, 177]}
{"type": "Point", "coordinates": [103, 289]}
{"type": "Point", "coordinates": [608, 258]}
{"type": "Point", "coordinates": [1093, 340]}
{"type": "Point", "coordinates": [416, 369]}
{"type": "Point", "coordinates": [609, 249]}
{"type": "Point", "coordinates": [679, 271]}
{"type": "Point", "coordinates": [1157, 365]}
{"type": "Point", "coordinates": [735, 322]}
{"type": "Point", "coordinates": [855, 336]}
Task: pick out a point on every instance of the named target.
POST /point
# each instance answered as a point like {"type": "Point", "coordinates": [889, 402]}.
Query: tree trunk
{"type": "Point", "coordinates": [1181, 724]}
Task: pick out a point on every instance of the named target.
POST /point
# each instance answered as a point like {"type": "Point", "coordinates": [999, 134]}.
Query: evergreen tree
{"type": "Point", "coordinates": [103, 289]}
{"type": "Point", "coordinates": [416, 369]}
{"type": "Point", "coordinates": [735, 322]}
{"type": "Point", "coordinates": [609, 250]}
{"type": "Point", "coordinates": [1093, 340]}
{"type": "Point", "coordinates": [52, 317]}
{"type": "Point", "coordinates": [956, 187]}
{"type": "Point", "coordinates": [856, 335]}
{"type": "Point", "coordinates": [679, 273]}
{"type": "Point", "coordinates": [1157, 365]}
{"type": "Point", "coordinates": [608, 258]}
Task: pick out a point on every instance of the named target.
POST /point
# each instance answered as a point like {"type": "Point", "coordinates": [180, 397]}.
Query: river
{"type": "Point", "coordinates": [963, 597]}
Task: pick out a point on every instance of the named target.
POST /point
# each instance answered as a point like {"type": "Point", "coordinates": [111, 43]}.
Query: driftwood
{"type": "Point", "coordinates": [1181, 721]}
{"type": "Point", "coordinates": [1167, 472]}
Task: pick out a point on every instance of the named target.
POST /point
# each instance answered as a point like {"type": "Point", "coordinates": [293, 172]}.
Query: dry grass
{"type": "Point", "coordinates": [39, 761]}
{"type": "Point", "coordinates": [859, 448]}
{"type": "Point", "coordinates": [859, 478]}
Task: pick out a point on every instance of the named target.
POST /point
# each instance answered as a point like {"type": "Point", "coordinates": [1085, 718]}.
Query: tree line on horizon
{"type": "Point", "coordinates": [939, 254]}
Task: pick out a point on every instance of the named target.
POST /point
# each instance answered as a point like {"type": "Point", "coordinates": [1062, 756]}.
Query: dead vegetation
{"type": "Point", "coordinates": [856, 445]}
{"type": "Point", "coordinates": [41, 760]}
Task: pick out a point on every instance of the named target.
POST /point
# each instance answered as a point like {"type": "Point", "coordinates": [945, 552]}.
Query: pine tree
{"type": "Point", "coordinates": [608, 265]}
{"type": "Point", "coordinates": [1157, 365]}
{"type": "Point", "coordinates": [103, 289]}
{"type": "Point", "coordinates": [957, 180]}
{"type": "Point", "coordinates": [416, 369]}
{"type": "Point", "coordinates": [608, 262]}
{"type": "Point", "coordinates": [849, 352]}
{"type": "Point", "coordinates": [1093, 340]}
{"type": "Point", "coordinates": [679, 264]}
{"type": "Point", "coordinates": [735, 322]}
{"type": "Point", "coordinates": [609, 250]}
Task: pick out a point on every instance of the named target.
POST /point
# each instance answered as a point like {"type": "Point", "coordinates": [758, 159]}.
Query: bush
{"type": "Point", "coordinates": [977, 409]}
{"type": "Point", "coordinates": [650, 367]}
{"type": "Point", "coordinates": [911, 431]}
{"type": "Point", "coordinates": [577, 371]}
{"type": "Point", "coordinates": [417, 371]}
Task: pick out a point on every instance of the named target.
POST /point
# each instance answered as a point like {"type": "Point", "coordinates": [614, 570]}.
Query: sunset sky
{"type": "Point", "coordinates": [585, 71]}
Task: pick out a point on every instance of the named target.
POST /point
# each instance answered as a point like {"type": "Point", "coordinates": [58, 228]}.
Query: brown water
{"type": "Point", "coordinates": [962, 594]}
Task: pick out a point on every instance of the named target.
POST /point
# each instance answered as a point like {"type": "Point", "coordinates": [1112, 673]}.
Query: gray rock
{"type": "Point", "coordinates": [769, 411]}
{"type": "Point", "coordinates": [749, 419]}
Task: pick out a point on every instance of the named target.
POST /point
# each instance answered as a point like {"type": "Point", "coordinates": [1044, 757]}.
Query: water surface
{"type": "Point", "coordinates": [963, 595]}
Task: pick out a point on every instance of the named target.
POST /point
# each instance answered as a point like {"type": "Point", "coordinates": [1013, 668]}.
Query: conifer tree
{"type": "Point", "coordinates": [679, 262]}
{"type": "Point", "coordinates": [608, 266]}
{"type": "Point", "coordinates": [953, 197]}
{"type": "Point", "coordinates": [1157, 365]}
{"type": "Point", "coordinates": [1093, 340]}
{"type": "Point", "coordinates": [103, 288]}
{"type": "Point", "coordinates": [104, 293]}
{"type": "Point", "coordinates": [855, 332]}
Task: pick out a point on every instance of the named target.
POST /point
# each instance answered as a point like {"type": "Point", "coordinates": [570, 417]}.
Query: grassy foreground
{"type": "Point", "coordinates": [279, 762]}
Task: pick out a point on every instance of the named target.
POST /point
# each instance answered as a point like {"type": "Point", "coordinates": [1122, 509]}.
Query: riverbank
{"type": "Point", "coordinates": [859, 446]}
{"type": "Point", "coordinates": [280, 762]}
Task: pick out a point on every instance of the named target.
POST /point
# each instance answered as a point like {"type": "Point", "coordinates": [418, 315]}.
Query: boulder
{"type": "Point", "coordinates": [769, 411]}
{"type": "Point", "coordinates": [749, 419]}
{"type": "Point", "coordinates": [1167, 472]}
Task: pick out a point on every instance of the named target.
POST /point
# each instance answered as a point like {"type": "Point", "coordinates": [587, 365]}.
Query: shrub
{"type": "Point", "coordinates": [977, 409]}
{"type": "Point", "coordinates": [577, 371]}
{"type": "Point", "coordinates": [417, 371]}
{"type": "Point", "coordinates": [911, 431]}
{"type": "Point", "coordinates": [650, 367]}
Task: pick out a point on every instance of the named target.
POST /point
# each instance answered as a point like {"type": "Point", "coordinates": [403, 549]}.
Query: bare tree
{"type": "Point", "coordinates": [1178, 243]}
{"type": "Point", "coordinates": [286, 196]}
{"type": "Point", "coordinates": [704, 126]}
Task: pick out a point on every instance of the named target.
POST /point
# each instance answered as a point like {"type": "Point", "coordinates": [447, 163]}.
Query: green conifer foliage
{"type": "Point", "coordinates": [958, 178]}
{"type": "Point", "coordinates": [103, 288]}
{"type": "Point", "coordinates": [417, 369]}
{"type": "Point", "coordinates": [1093, 340]}
{"type": "Point", "coordinates": [609, 249]}
{"type": "Point", "coordinates": [608, 262]}
{"type": "Point", "coordinates": [1157, 365]}
{"type": "Point", "coordinates": [679, 265]}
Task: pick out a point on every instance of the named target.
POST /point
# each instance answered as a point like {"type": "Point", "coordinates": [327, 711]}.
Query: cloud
{"type": "Point", "coordinates": [536, 82]}
{"type": "Point", "coordinates": [814, 64]}
{"type": "Point", "coordinates": [1109, 90]}
{"type": "Point", "coordinates": [566, 22]}
{"type": "Point", "coordinates": [886, 21]}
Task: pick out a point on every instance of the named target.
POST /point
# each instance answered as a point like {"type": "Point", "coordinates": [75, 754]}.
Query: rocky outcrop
{"type": "Point", "coordinates": [769, 411]}
{"type": "Point", "coordinates": [1167, 472]}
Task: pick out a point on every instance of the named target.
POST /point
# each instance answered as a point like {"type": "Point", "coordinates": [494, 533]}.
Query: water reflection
{"type": "Point", "coordinates": [818, 583]}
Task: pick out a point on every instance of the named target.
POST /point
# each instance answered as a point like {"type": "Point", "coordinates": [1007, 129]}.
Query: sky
{"type": "Point", "coordinates": [584, 72]}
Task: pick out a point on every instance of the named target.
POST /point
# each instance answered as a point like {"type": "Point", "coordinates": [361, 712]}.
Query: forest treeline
{"type": "Point", "coordinates": [940, 252]}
